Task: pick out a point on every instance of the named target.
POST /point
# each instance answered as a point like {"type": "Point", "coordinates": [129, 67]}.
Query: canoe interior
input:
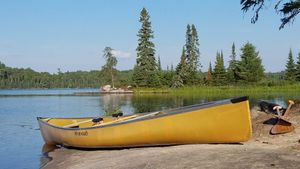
{"type": "Point", "coordinates": [61, 122]}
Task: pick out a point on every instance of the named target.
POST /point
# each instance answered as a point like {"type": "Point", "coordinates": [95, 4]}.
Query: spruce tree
{"type": "Point", "coordinates": [188, 43]}
{"type": "Point", "coordinates": [194, 58]}
{"type": "Point", "coordinates": [290, 71]}
{"type": "Point", "coordinates": [232, 70]}
{"type": "Point", "coordinates": [250, 68]}
{"type": "Point", "coordinates": [159, 64]}
{"type": "Point", "coordinates": [192, 55]}
{"type": "Point", "coordinates": [187, 69]}
{"type": "Point", "coordinates": [182, 69]}
{"type": "Point", "coordinates": [298, 68]}
{"type": "Point", "coordinates": [209, 76]}
{"type": "Point", "coordinates": [219, 73]}
{"type": "Point", "coordinates": [145, 72]}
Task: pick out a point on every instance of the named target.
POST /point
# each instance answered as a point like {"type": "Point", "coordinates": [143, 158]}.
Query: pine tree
{"type": "Point", "coordinates": [290, 71]}
{"type": "Point", "coordinates": [146, 62]}
{"type": "Point", "coordinates": [232, 70]}
{"type": "Point", "coordinates": [250, 68]}
{"type": "Point", "coordinates": [298, 68]}
{"type": "Point", "coordinates": [219, 73]}
{"type": "Point", "coordinates": [111, 62]}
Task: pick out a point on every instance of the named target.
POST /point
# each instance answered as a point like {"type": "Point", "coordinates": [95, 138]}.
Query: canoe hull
{"type": "Point", "coordinates": [224, 123]}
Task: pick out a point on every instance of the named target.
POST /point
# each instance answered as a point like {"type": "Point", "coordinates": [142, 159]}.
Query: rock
{"type": "Point", "coordinates": [106, 88]}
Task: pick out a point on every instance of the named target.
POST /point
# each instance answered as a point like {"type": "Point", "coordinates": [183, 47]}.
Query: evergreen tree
{"type": "Point", "coordinates": [159, 64]}
{"type": "Point", "coordinates": [2, 71]}
{"type": "Point", "coordinates": [147, 75]}
{"type": "Point", "coordinates": [188, 43]}
{"type": "Point", "coordinates": [250, 68]}
{"type": "Point", "coordinates": [177, 81]}
{"type": "Point", "coordinates": [232, 70]}
{"type": "Point", "coordinates": [182, 69]}
{"type": "Point", "coordinates": [111, 62]}
{"type": "Point", "coordinates": [138, 78]}
{"type": "Point", "coordinates": [209, 76]}
{"type": "Point", "coordinates": [290, 71]}
{"type": "Point", "coordinates": [194, 64]}
{"type": "Point", "coordinates": [298, 68]}
{"type": "Point", "coordinates": [194, 53]}
{"type": "Point", "coordinates": [219, 73]}
{"type": "Point", "coordinates": [190, 57]}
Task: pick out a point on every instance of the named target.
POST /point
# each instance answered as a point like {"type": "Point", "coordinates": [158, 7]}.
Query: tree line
{"type": "Point", "coordinates": [148, 71]}
{"type": "Point", "coordinates": [28, 78]}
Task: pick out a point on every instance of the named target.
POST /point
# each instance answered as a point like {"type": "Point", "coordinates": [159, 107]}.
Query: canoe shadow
{"type": "Point", "coordinates": [140, 147]}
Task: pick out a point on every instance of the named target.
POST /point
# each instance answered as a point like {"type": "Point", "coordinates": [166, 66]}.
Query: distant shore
{"type": "Point", "coordinates": [191, 90]}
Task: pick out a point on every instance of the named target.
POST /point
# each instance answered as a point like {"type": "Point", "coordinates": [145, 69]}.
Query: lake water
{"type": "Point", "coordinates": [20, 139]}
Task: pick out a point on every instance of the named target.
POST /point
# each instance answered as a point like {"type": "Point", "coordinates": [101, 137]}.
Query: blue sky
{"type": "Point", "coordinates": [71, 34]}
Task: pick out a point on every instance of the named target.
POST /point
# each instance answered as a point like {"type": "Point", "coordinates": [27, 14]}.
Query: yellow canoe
{"type": "Point", "coordinates": [225, 121]}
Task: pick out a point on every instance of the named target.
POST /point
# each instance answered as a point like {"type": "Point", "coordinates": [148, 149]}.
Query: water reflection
{"type": "Point", "coordinates": [150, 103]}
{"type": "Point", "coordinates": [131, 104]}
{"type": "Point", "coordinates": [110, 103]}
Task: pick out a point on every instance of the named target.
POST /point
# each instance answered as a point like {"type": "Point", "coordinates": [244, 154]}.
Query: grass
{"type": "Point", "coordinates": [252, 90]}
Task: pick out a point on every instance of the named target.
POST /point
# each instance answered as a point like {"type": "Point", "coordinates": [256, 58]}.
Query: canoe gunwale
{"type": "Point", "coordinates": [169, 112]}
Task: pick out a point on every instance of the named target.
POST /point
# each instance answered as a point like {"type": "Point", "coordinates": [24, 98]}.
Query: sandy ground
{"type": "Point", "coordinates": [262, 151]}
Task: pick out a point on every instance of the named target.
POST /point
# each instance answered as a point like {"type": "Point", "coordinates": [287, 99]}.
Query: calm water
{"type": "Point", "coordinates": [20, 140]}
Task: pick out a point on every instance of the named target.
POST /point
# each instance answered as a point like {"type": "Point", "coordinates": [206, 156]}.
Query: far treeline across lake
{"type": "Point", "coordinates": [148, 72]}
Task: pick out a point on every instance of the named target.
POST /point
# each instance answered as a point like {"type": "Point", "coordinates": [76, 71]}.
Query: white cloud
{"type": "Point", "coordinates": [121, 54]}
